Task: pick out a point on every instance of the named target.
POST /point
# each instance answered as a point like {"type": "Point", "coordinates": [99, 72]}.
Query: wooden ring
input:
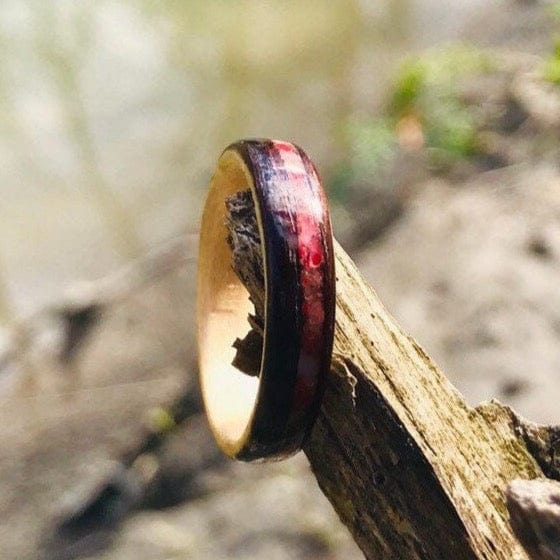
{"type": "Point", "coordinates": [267, 417]}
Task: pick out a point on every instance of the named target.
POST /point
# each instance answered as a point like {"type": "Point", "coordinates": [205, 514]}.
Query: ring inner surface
{"type": "Point", "coordinates": [222, 309]}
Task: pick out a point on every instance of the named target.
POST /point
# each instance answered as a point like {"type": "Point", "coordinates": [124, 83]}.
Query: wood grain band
{"type": "Point", "coordinates": [276, 414]}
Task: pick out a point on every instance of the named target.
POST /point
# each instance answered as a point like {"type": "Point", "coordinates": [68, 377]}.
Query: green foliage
{"type": "Point", "coordinates": [554, 10]}
{"type": "Point", "coordinates": [434, 75]}
{"type": "Point", "coordinates": [425, 90]}
{"type": "Point", "coordinates": [551, 66]}
{"type": "Point", "coordinates": [160, 420]}
{"type": "Point", "coordinates": [450, 126]}
{"type": "Point", "coordinates": [410, 83]}
{"type": "Point", "coordinates": [339, 183]}
{"type": "Point", "coordinates": [373, 144]}
{"type": "Point", "coordinates": [426, 87]}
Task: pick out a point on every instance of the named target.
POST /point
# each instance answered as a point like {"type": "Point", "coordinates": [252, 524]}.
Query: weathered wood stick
{"type": "Point", "coordinates": [412, 470]}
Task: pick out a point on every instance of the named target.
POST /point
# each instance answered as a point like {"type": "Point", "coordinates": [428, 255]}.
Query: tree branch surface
{"type": "Point", "coordinates": [412, 470]}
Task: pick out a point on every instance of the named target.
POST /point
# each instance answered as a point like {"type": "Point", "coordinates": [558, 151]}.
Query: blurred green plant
{"type": "Point", "coordinates": [160, 420]}
{"type": "Point", "coordinates": [551, 65]}
{"type": "Point", "coordinates": [554, 10]}
{"type": "Point", "coordinates": [426, 90]}
{"type": "Point", "coordinates": [373, 146]}
{"type": "Point", "coordinates": [424, 111]}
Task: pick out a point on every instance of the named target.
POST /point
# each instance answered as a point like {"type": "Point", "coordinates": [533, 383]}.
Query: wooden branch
{"type": "Point", "coordinates": [245, 245]}
{"type": "Point", "coordinates": [534, 507]}
{"type": "Point", "coordinates": [411, 469]}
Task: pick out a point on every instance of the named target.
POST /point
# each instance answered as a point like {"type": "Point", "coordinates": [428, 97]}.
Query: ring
{"type": "Point", "coordinates": [269, 416]}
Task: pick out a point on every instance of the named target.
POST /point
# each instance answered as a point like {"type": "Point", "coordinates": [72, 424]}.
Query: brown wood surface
{"type": "Point", "coordinates": [412, 470]}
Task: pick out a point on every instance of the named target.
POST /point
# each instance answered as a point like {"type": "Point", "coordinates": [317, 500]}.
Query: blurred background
{"type": "Point", "coordinates": [435, 127]}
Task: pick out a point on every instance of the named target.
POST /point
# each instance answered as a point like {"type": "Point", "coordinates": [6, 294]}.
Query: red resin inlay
{"type": "Point", "coordinates": [295, 216]}
{"type": "Point", "coordinates": [310, 227]}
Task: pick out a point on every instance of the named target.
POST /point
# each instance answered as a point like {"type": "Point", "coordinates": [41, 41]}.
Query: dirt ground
{"type": "Point", "coordinates": [94, 464]}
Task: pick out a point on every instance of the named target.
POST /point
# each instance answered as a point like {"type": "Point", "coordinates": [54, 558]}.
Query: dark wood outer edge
{"type": "Point", "coordinates": [293, 213]}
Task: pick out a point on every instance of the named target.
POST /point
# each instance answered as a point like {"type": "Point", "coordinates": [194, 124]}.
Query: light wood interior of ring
{"type": "Point", "coordinates": [222, 309]}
